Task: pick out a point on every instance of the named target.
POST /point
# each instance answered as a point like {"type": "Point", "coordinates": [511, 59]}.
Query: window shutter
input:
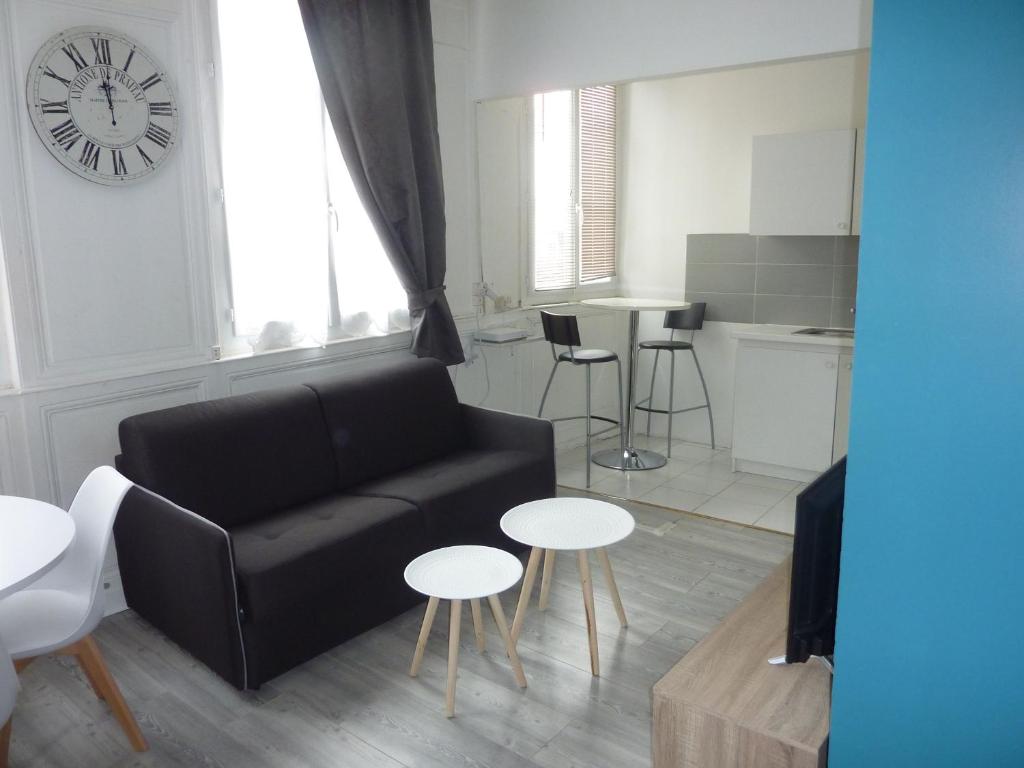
{"type": "Point", "coordinates": [597, 182]}
{"type": "Point", "coordinates": [555, 224]}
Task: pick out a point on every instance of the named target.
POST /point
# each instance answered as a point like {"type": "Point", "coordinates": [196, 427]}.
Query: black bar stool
{"type": "Point", "coordinates": [564, 330]}
{"type": "Point", "coordinates": [691, 320]}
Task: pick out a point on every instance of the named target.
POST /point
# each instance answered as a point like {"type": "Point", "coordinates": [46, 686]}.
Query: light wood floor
{"type": "Point", "coordinates": [356, 705]}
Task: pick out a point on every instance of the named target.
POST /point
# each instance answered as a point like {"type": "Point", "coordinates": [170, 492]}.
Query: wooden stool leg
{"type": "Point", "coordinates": [510, 647]}
{"type": "Point", "coordinates": [478, 625]}
{"type": "Point", "coordinates": [421, 643]}
{"type": "Point", "coordinates": [545, 582]}
{"type": "Point", "coordinates": [524, 595]}
{"type": "Point", "coordinates": [588, 605]}
{"type": "Point", "coordinates": [606, 566]}
{"type": "Point", "coordinates": [454, 629]}
{"type": "Point", "coordinates": [5, 743]}
{"type": "Point", "coordinates": [89, 656]}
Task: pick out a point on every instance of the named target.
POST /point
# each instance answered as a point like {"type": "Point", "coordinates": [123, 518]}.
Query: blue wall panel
{"type": "Point", "coordinates": [930, 647]}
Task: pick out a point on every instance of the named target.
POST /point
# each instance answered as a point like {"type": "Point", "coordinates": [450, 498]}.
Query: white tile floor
{"type": "Point", "coordinates": [696, 479]}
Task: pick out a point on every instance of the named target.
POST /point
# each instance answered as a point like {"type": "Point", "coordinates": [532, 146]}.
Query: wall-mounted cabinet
{"type": "Point", "coordinates": [806, 183]}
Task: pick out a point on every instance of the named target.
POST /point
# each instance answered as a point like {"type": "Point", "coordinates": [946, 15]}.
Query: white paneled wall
{"type": "Point", "coordinates": [112, 290]}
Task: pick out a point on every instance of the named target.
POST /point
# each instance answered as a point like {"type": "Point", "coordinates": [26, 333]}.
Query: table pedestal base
{"type": "Point", "coordinates": [632, 459]}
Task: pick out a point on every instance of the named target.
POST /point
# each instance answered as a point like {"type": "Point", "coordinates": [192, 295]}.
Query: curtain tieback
{"type": "Point", "coordinates": [423, 299]}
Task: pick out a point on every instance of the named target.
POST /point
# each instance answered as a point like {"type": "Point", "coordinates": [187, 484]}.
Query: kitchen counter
{"type": "Point", "coordinates": [783, 334]}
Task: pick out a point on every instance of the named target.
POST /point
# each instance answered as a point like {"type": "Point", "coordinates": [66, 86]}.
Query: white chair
{"type": "Point", "coordinates": [58, 613]}
{"type": "Point", "coordinates": [8, 693]}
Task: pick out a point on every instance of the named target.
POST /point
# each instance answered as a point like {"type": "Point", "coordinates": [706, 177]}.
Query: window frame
{"type": "Point", "coordinates": [230, 344]}
{"type": "Point", "coordinates": [601, 288]}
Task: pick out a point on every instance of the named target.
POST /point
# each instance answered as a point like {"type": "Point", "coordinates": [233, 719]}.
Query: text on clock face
{"type": "Point", "coordinates": [102, 105]}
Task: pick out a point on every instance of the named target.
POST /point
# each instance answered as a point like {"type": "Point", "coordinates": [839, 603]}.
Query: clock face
{"type": "Point", "coordinates": [102, 105]}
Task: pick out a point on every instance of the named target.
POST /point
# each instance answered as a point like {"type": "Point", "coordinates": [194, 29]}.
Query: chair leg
{"type": "Point", "coordinates": [622, 413]}
{"type": "Point", "coordinates": [547, 388]}
{"type": "Point", "coordinates": [510, 646]}
{"type": "Point", "coordinates": [582, 558]}
{"type": "Point", "coordinates": [588, 426]}
{"type": "Point", "coordinates": [5, 743]}
{"type": "Point", "coordinates": [671, 397]}
{"type": "Point", "coordinates": [650, 398]}
{"type": "Point", "coordinates": [89, 656]}
{"type": "Point", "coordinates": [711, 420]}
{"type": "Point", "coordinates": [613, 589]}
{"type": "Point", "coordinates": [454, 629]}
{"type": "Point", "coordinates": [421, 642]}
{"type": "Point", "coordinates": [478, 625]}
{"type": "Point", "coordinates": [545, 582]}
{"type": "Point", "coordinates": [524, 594]}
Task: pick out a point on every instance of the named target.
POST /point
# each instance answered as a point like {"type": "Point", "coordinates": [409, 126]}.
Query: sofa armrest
{"type": "Point", "coordinates": [509, 431]}
{"type": "Point", "coordinates": [177, 569]}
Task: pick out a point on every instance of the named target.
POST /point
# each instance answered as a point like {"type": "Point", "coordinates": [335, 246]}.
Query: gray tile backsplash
{"type": "Point", "coordinates": [794, 279]}
{"type": "Point", "coordinates": [726, 307]}
{"type": "Point", "coordinates": [795, 250]}
{"type": "Point", "coordinates": [721, 249]}
{"type": "Point", "coordinates": [721, 278]}
{"type": "Point", "coordinates": [782, 280]}
{"type": "Point", "coordinates": [793, 310]}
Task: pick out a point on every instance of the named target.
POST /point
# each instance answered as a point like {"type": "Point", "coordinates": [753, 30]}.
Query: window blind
{"type": "Point", "coordinates": [597, 182]}
{"type": "Point", "coordinates": [555, 218]}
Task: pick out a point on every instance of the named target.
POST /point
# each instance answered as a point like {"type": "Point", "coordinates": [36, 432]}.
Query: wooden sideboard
{"type": "Point", "coordinates": [724, 706]}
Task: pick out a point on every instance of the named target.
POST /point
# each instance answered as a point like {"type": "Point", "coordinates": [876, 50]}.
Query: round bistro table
{"type": "Point", "coordinates": [34, 536]}
{"type": "Point", "coordinates": [574, 524]}
{"type": "Point", "coordinates": [632, 458]}
{"type": "Point", "coordinates": [464, 573]}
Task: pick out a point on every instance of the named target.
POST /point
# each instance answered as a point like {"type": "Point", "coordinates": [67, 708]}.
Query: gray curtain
{"type": "Point", "coordinates": [375, 62]}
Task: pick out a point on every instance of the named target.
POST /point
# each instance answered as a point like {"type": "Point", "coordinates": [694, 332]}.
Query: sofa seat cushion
{"type": "Point", "coordinates": [464, 495]}
{"type": "Point", "coordinates": [324, 546]}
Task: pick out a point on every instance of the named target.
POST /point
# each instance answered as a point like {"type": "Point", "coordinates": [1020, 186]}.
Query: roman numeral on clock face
{"type": "Point", "coordinates": [145, 158]}
{"type": "Point", "coordinates": [160, 108]}
{"type": "Point", "coordinates": [118, 161]}
{"type": "Point", "coordinates": [54, 107]}
{"type": "Point", "coordinates": [101, 47]}
{"type": "Point", "coordinates": [158, 135]}
{"type": "Point", "coordinates": [50, 73]}
{"type": "Point", "coordinates": [76, 56]}
{"type": "Point", "coordinates": [128, 61]}
{"type": "Point", "coordinates": [90, 156]}
{"type": "Point", "coordinates": [150, 81]}
{"type": "Point", "coordinates": [66, 134]}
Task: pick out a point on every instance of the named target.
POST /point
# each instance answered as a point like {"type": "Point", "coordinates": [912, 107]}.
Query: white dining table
{"type": "Point", "coordinates": [632, 458]}
{"type": "Point", "coordinates": [34, 536]}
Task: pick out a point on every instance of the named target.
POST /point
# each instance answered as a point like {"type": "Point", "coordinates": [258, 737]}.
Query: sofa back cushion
{"type": "Point", "coordinates": [236, 459]}
{"type": "Point", "coordinates": [389, 417]}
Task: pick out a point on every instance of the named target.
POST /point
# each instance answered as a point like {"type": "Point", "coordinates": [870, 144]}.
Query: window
{"type": "Point", "coordinates": [303, 254]}
{"type": "Point", "coordinates": [573, 205]}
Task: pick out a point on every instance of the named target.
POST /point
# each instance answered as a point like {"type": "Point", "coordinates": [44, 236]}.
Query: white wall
{"type": "Point", "coordinates": [530, 46]}
{"type": "Point", "coordinates": [686, 152]}
{"type": "Point", "coordinates": [686, 145]}
{"type": "Point", "coordinates": [113, 289]}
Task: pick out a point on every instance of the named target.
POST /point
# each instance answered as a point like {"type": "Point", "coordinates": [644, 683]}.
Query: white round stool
{"type": "Point", "coordinates": [568, 523]}
{"type": "Point", "coordinates": [464, 573]}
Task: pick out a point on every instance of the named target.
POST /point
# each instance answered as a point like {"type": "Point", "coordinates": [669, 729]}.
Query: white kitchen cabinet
{"type": "Point", "coordinates": [803, 184]}
{"type": "Point", "coordinates": [785, 405]}
{"type": "Point", "coordinates": [842, 427]}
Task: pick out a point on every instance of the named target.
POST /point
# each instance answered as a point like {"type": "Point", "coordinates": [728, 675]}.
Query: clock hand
{"type": "Point", "coordinates": [106, 86]}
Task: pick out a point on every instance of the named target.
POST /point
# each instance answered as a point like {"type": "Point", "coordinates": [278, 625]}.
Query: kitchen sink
{"type": "Point", "coordinates": [841, 333]}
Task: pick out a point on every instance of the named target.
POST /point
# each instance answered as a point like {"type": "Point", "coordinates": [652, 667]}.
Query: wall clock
{"type": "Point", "coordinates": [102, 105]}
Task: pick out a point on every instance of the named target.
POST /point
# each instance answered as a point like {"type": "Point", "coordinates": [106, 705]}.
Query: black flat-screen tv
{"type": "Point", "coordinates": [814, 589]}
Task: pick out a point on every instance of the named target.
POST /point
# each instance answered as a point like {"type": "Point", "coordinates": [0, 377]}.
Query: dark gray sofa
{"type": "Point", "coordinates": [270, 527]}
